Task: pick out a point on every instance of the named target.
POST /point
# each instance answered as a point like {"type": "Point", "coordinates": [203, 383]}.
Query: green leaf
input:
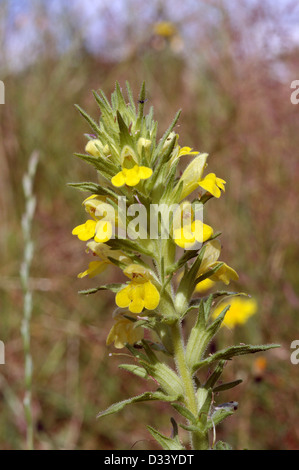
{"type": "Point", "coordinates": [205, 408]}
{"type": "Point", "coordinates": [136, 370]}
{"type": "Point", "coordinates": [89, 119]}
{"type": "Point", "coordinates": [147, 396]}
{"type": "Point", "coordinates": [215, 375]}
{"type": "Point", "coordinates": [227, 385]}
{"type": "Point", "coordinates": [130, 96]}
{"type": "Point", "coordinates": [167, 443]}
{"type": "Point", "coordinates": [185, 412]}
{"type": "Point", "coordinates": [125, 137]}
{"type": "Point", "coordinates": [166, 134]}
{"type": "Point", "coordinates": [200, 336]}
{"type": "Point", "coordinates": [113, 287]}
{"type": "Point", "coordinates": [233, 351]}
{"type": "Point", "coordinates": [166, 377]}
{"type": "Point", "coordinates": [93, 188]}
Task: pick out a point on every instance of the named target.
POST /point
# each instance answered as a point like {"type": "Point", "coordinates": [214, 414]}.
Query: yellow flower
{"type": "Point", "coordinates": [104, 252]}
{"type": "Point", "coordinates": [94, 268]}
{"type": "Point", "coordinates": [212, 184]}
{"type": "Point", "coordinates": [101, 231]}
{"type": "Point", "coordinates": [241, 309]}
{"type": "Point", "coordinates": [192, 174]}
{"type": "Point", "coordinates": [101, 228]}
{"type": "Point", "coordinates": [225, 273]}
{"type": "Point", "coordinates": [186, 236]}
{"type": "Point", "coordinates": [85, 231]}
{"type": "Point", "coordinates": [186, 151]}
{"type": "Point", "coordinates": [123, 332]}
{"type": "Point", "coordinates": [165, 28]}
{"type": "Point", "coordinates": [192, 178]}
{"type": "Point", "coordinates": [131, 176]}
{"type": "Point", "coordinates": [140, 293]}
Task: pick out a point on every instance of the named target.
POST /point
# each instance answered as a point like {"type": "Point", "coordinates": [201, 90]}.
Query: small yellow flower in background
{"type": "Point", "coordinates": [212, 184]}
{"type": "Point", "coordinates": [123, 332]}
{"type": "Point", "coordinates": [224, 274]}
{"type": "Point", "coordinates": [241, 309]}
{"type": "Point", "coordinates": [165, 28]}
{"type": "Point", "coordinates": [140, 293]}
{"type": "Point", "coordinates": [131, 176]}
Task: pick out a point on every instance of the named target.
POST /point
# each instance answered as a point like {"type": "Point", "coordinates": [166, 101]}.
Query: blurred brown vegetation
{"type": "Point", "coordinates": [229, 68]}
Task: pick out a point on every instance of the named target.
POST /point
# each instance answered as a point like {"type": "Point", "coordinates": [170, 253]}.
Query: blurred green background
{"type": "Point", "coordinates": [229, 66]}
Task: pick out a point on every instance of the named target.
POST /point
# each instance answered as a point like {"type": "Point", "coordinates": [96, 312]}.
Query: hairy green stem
{"type": "Point", "coordinates": [199, 441]}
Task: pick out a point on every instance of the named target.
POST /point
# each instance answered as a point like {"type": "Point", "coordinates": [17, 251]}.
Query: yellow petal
{"type": "Point", "coordinates": [123, 297]}
{"type": "Point", "coordinates": [225, 273]}
{"type": "Point", "coordinates": [211, 255]}
{"type": "Point", "coordinates": [94, 268]}
{"type": "Point", "coordinates": [132, 176]}
{"type": "Point", "coordinates": [103, 231]}
{"type": "Point", "coordinates": [151, 296]}
{"type": "Point", "coordinates": [85, 231]}
{"type": "Point", "coordinates": [202, 232]}
{"type": "Point", "coordinates": [210, 184]}
{"type": "Point", "coordinates": [145, 172]}
{"type": "Point", "coordinates": [193, 174]}
{"type": "Point", "coordinates": [184, 237]}
{"type": "Point", "coordinates": [205, 285]}
{"type": "Point", "coordinates": [186, 151]}
{"type": "Point", "coordinates": [118, 180]}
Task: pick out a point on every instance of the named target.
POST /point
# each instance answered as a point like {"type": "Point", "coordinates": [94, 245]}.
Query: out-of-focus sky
{"type": "Point", "coordinates": [110, 27]}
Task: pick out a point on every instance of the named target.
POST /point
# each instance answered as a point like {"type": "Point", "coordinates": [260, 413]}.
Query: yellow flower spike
{"type": "Point", "coordinates": [241, 309]}
{"type": "Point", "coordinates": [123, 332]}
{"type": "Point", "coordinates": [132, 176]}
{"type": "Point", "coordinates": [94, 268]}
{"type": "Point", "coordinates": [85, 231]}
{"type": "Point", "coordinates": [212, 184]}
